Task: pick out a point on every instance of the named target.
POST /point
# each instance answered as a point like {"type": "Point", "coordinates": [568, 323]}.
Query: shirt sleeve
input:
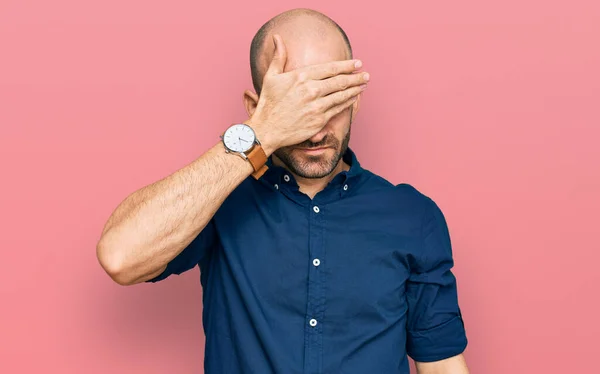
{"type": "Point", "coordinates": [195, 252]}
{"type": "Point", "coordinates": [435, 329]}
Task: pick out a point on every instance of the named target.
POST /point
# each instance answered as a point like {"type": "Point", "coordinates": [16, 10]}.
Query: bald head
{"type": "Point", "coordinates": [310, 38]}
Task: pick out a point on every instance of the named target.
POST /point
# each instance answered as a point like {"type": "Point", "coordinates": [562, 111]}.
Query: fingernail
{"type": "Point", "coordinates": [358, 64]}
{"type": "Point", "coordinates": [363, 86]}
{"type": "Point", "coordinates": [366, 76]}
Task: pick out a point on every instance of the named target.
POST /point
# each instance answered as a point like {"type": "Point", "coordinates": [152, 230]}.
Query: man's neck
{"type": "Point", "coordinates": [312, 186]}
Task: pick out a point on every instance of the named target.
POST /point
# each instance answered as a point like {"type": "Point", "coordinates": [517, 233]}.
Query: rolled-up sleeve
{"type": "Point", "coordinates": [435, 329]}
{"type": "Point", "coordinates": [194, 253]}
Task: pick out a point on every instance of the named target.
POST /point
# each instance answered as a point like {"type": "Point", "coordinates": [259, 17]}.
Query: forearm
{"type": "Point", "coordinates": [452, 365]}
{"type": "Point", "coordinates": [154, 224]}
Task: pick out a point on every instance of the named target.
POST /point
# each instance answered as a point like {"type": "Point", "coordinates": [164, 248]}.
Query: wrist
{"type": "Point", "coordinates": [267, 144]}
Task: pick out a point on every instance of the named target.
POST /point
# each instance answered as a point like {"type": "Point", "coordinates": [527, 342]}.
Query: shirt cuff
{"type": "Point", "coordinates": [441, 342]}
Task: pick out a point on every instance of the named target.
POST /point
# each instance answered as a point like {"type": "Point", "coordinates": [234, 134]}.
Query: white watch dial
{"type": "Point", "coordinates": [239, 138]}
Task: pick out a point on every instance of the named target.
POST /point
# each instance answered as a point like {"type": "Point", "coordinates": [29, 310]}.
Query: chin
{"type": "Point", "coordinates": [313, 171]}
{"type": "Point", "coordinates": [311, 166]}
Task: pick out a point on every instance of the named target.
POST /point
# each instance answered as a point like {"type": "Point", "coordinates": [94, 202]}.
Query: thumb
{"type": "Point", "coordinates": [279, 56]}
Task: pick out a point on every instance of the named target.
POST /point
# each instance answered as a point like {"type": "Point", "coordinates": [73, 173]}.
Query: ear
{"type": "Point", "coordinates": [355, 107]}
{"type": "Point", "coordinates": [250, 102]}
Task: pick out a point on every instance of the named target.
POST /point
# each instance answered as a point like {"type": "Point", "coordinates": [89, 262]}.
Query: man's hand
{"type": "Point", "coordinates": [452, 365]}
{"type": "Point", "coordinates": [296, 105]}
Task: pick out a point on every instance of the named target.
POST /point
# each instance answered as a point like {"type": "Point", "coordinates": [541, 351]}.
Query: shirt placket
{"type": "Point", "coordinates": [313, 336]}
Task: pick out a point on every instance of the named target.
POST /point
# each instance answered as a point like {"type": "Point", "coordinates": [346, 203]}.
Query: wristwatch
{"type": "Point", "coordinates": [241, 139]}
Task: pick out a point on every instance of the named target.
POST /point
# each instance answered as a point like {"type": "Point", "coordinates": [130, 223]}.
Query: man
{"type": "Point", "coordinates": [309, 262]}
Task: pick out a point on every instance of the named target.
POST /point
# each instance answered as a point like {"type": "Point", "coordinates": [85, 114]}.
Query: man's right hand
{"type": "Point", "coordinates": [296, 105]}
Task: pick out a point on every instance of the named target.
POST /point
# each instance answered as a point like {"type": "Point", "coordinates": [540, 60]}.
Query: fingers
{"type": "Point", "coordinates": [339, 97]}
{"type": "Point", "coordinates": [340, 107]}
{"type": "Point", "coordinates": [279, 56]}
{"type": "Point", "coordinates": [330, 69]}
{"type": "Point", "coordinates": [341, 82]}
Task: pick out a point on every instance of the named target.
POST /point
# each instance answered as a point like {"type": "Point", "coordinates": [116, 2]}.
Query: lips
{"type": "Point", "coordinates": [313, 149]}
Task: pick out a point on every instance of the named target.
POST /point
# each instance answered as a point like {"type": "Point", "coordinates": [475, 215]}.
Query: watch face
{"type": "Point", "coordinates": [239, 138]}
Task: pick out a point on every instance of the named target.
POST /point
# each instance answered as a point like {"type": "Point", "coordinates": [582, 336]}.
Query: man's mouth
{"type": "Point", "coordinates": [314, 150]}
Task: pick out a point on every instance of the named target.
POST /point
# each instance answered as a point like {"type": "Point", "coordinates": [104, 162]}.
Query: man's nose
{"type": "Point", "coordinates": [318, 137]}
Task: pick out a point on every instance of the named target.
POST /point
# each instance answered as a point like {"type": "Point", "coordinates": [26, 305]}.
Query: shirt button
{"type": "Point", "coordinates": [313, 322]}
{"type": "Point", "coordinates": [316, 209]}
{"type": "Point", "coordinates": [345, 187]}
{"type": "Point", "coordinates": [276, 186]}
{"type": "Point", "coordinates": [316, 262]}
{"type": "Point", "coordinates": [286, 178]}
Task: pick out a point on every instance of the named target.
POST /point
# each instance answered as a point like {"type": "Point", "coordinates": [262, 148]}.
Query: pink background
{"type": "Point", "coordinates": [491, 108]}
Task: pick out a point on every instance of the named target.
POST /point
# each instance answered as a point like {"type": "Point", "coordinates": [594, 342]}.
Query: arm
{"type": "Point", "coordinates": [436, 332]}
{"type": "Point", "coordinates": [154, 224]}
{"type": "Point", "coordinates": [452, 365]}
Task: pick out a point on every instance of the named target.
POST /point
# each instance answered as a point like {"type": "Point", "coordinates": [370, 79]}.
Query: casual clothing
{"type": "Point", "coordinates": [349, 282]}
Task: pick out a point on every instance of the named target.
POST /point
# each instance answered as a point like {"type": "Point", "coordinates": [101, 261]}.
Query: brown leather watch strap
{"type": "Point", "coordinates": [258, 159]}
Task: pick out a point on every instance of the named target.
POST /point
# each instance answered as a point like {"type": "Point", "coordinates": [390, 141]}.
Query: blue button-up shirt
{"type": "Point", "coordinates": [350, 281]}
